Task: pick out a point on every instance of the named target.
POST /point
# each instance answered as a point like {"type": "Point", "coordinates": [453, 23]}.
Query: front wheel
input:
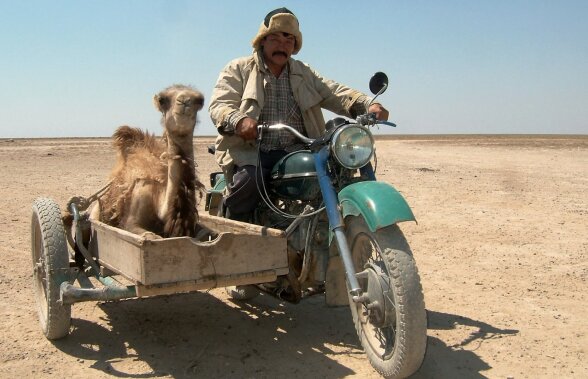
{"type": "Point", "coordinates": [50, 268]}
{"type": "Point", "coordinates": [392, 326]}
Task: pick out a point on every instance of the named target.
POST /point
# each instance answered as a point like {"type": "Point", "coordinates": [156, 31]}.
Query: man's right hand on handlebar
{"type": "Point", "coordinates": [379, 111]}
{"type": "Point", "coordinates": [246, 128]}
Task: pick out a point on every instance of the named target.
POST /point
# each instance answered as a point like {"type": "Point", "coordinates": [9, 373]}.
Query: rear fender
{"type": "Point", "coordinates": [214, 196]}
{"type": "Point", "coordinates": [217, 182]}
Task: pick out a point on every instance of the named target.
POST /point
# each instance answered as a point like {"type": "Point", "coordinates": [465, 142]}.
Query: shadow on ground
{"type": "Point", "coordinates": [458, 360]}
{"type": "Point", "coordinates": [197, 335]}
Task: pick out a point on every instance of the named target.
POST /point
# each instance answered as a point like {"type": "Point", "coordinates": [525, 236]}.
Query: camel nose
{"type": "Point", "coordinates": [186, 102]}
{"type": "Point", "coordinates": [183, 104]}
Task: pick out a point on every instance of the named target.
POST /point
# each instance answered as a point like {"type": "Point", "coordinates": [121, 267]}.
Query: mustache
{"type": "Point", "coordinates": [279, 53]}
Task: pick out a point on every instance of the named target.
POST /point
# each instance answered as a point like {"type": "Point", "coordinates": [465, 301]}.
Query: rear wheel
{"type": "Point", "coordinates": [50, 268]}
{"type": "Point", "coordinates": [392, 326]}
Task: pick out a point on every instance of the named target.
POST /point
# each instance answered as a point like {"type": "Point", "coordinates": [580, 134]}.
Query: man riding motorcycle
{"type": "Point", "coordinates": [270, 87]}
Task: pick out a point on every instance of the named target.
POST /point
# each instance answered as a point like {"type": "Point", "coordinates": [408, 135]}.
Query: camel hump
{"type": "Point", "coordinates": [126, 138]}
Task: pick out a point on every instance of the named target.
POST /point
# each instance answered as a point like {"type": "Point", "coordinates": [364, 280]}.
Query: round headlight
{"type": "Point", "coordinates": [353, 146]}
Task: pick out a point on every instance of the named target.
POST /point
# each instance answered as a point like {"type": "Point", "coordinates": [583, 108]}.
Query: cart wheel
{"type": "Point", "coordinates": [246, 292]}
{"type": "Point", "coordinates": [50, 267]}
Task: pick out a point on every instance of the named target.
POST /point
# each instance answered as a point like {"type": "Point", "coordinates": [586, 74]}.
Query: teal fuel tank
{"type": "Point", "coordinates": [294, 177]}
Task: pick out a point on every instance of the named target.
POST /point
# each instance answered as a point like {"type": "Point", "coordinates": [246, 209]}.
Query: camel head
{"type": "Point", "coordinates": [179, 105]}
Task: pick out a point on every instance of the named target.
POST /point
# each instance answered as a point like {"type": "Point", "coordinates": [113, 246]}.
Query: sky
{"type": "Point", "coordinates": [82, 68]}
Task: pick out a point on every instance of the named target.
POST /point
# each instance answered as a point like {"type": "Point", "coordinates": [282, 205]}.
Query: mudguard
{"type": "Point", "coordinates": [217, 181]}
{"type": "Point", "coordinates": [214, 196]}
{"type": "Point", "coordinates": [379, 203]}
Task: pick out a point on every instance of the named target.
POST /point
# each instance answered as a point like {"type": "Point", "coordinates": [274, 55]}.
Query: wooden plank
{"type": "Point", "coordinates": [181, 259]}
{"type": "Point", "coordinates": [118, 253]}
{"type": "Point", "coordinates": [239, 249]}
{"type": "Point", "coordinates": [220, 224]}
{"type": "Point", "coordinates": [120, 233]}
{"type": "Point", "coordinates": [197, 285]}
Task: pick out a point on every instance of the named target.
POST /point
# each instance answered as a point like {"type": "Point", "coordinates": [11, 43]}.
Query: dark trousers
{"type": "Point", "coordinates": [243, 191]}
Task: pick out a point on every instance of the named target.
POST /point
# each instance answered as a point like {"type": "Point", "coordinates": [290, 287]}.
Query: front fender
{"type": "Point", "coordinates": [379, 203]}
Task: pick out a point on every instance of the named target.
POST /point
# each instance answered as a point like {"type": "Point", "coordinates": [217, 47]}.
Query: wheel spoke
{"type": "Point", "coordinates": [378, 261]}
{"type": "Point", "coordinates": [382, 340]}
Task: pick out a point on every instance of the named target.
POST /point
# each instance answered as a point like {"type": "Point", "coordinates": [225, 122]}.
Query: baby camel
{"type": "Point", "coordinates": [154, 184]}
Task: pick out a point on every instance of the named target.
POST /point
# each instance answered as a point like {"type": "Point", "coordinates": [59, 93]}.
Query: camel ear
{"type": "Point", "coordinates": [162, 103]}
{"type": "Point", "coordinates": [199, 102]}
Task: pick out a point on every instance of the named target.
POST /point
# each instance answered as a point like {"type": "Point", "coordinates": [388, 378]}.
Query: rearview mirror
{"type": "Point", "coordinates": [378, 82]}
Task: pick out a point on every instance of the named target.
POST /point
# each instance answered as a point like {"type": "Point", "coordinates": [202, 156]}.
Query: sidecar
{"type": "Point", "coordinates": [87, 260]}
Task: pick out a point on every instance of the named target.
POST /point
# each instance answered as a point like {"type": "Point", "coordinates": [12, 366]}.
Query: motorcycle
{"type": "Point", "coordinates": [343, 238]}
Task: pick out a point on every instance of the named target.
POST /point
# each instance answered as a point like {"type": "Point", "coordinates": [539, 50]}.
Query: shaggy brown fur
{"type": "Point", "coordinates": [154, 182]}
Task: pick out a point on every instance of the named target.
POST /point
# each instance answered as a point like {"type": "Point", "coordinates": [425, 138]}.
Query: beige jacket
{"type": "Point", "coordinates": [239, 92]}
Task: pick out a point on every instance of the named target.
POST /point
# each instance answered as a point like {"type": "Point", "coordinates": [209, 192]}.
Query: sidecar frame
{"type": "Point", "coordinates": [77, 259]}
{"type": "Point", "coordinates": [239, 254]}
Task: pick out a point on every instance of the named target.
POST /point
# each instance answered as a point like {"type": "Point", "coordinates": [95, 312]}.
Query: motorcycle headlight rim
{"type": "Point", "coordinates": [353, 146]}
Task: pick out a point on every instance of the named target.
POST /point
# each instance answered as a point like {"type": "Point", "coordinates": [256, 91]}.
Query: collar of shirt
{"type": "Point", "coordinates": [267, 71]}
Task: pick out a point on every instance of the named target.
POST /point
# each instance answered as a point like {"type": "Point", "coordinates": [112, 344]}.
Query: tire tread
{"type": "Point", "coordinates": [48, 216]}
{"type": "Point", "coordinates": [411, 341]}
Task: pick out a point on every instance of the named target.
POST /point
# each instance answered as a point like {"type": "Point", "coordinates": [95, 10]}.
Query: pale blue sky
{"type": "Point", "coordinates": [82, 68]}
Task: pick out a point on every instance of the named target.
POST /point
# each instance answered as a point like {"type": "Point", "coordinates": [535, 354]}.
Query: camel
{"type": "Point", "coordinates": [153, 183]}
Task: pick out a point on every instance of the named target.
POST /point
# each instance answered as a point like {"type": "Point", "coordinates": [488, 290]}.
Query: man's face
{"type": "Point", "coordinates": [277, 48]}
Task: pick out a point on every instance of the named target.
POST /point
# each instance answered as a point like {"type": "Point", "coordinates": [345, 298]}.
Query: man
{"type": "Point", "coordinates": [270, 87]}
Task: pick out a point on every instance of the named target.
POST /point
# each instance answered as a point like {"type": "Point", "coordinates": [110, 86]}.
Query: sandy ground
{"type": "Point", "coordinates": [501, 245]}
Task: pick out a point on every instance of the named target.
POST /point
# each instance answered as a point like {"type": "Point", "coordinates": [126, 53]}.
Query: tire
{"type": "Point", "coordinates": [246, 292]}
{"type": "Point", "coordinates": [50, 268]}
{"type": "Point", "coordinates": [397, 347]}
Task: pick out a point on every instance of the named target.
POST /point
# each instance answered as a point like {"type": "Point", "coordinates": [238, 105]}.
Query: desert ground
{"type": "Point", "coordinates": [501, 245]}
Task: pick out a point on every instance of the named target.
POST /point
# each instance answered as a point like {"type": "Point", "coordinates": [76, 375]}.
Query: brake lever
{"type": "Point", "coordinates": [370, 119]}
{"type": "Point", "coordinates": [366, 119]}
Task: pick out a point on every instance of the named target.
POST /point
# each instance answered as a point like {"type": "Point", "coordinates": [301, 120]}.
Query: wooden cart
{"type": "Point", "coordinates": [127, 265]}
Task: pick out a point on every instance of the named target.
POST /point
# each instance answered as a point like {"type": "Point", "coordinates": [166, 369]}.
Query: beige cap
{"type": "Point", "coordinates": [280, 20]}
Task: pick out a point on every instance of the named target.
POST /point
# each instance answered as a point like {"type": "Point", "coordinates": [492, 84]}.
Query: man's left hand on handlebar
{"type": "Point", "coordinates": [380, 112]}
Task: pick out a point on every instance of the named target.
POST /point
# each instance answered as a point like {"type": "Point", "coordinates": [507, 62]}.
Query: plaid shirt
{"type": "Point", "coordinates": [280, 107]}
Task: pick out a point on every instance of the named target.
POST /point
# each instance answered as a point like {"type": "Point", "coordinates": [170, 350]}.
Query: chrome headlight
{"type": "Point", "coordinates": [353, 146]}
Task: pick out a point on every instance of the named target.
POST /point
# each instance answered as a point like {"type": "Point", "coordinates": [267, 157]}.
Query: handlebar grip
{"type": "Point", "coordinates": [372, 115]}
{"type": "Point", "coordinates": [387, 123]}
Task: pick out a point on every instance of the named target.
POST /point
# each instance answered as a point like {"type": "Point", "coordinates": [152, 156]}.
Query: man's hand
{"type": "Point", "coordinates": [246, 128]}
{"type": "Point", "coordinates": [381, 112]}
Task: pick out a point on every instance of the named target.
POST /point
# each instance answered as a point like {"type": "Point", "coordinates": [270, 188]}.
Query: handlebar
{"type": "Point", "coordinates": [276, 127]}
{"type": "Point", "coordinates": [365, 120]}
{"type": "Point", "coordinates": [370, 119]}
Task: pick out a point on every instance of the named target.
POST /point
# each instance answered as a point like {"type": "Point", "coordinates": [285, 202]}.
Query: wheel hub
{"type": "Point", "coordinates": [380, 308]}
